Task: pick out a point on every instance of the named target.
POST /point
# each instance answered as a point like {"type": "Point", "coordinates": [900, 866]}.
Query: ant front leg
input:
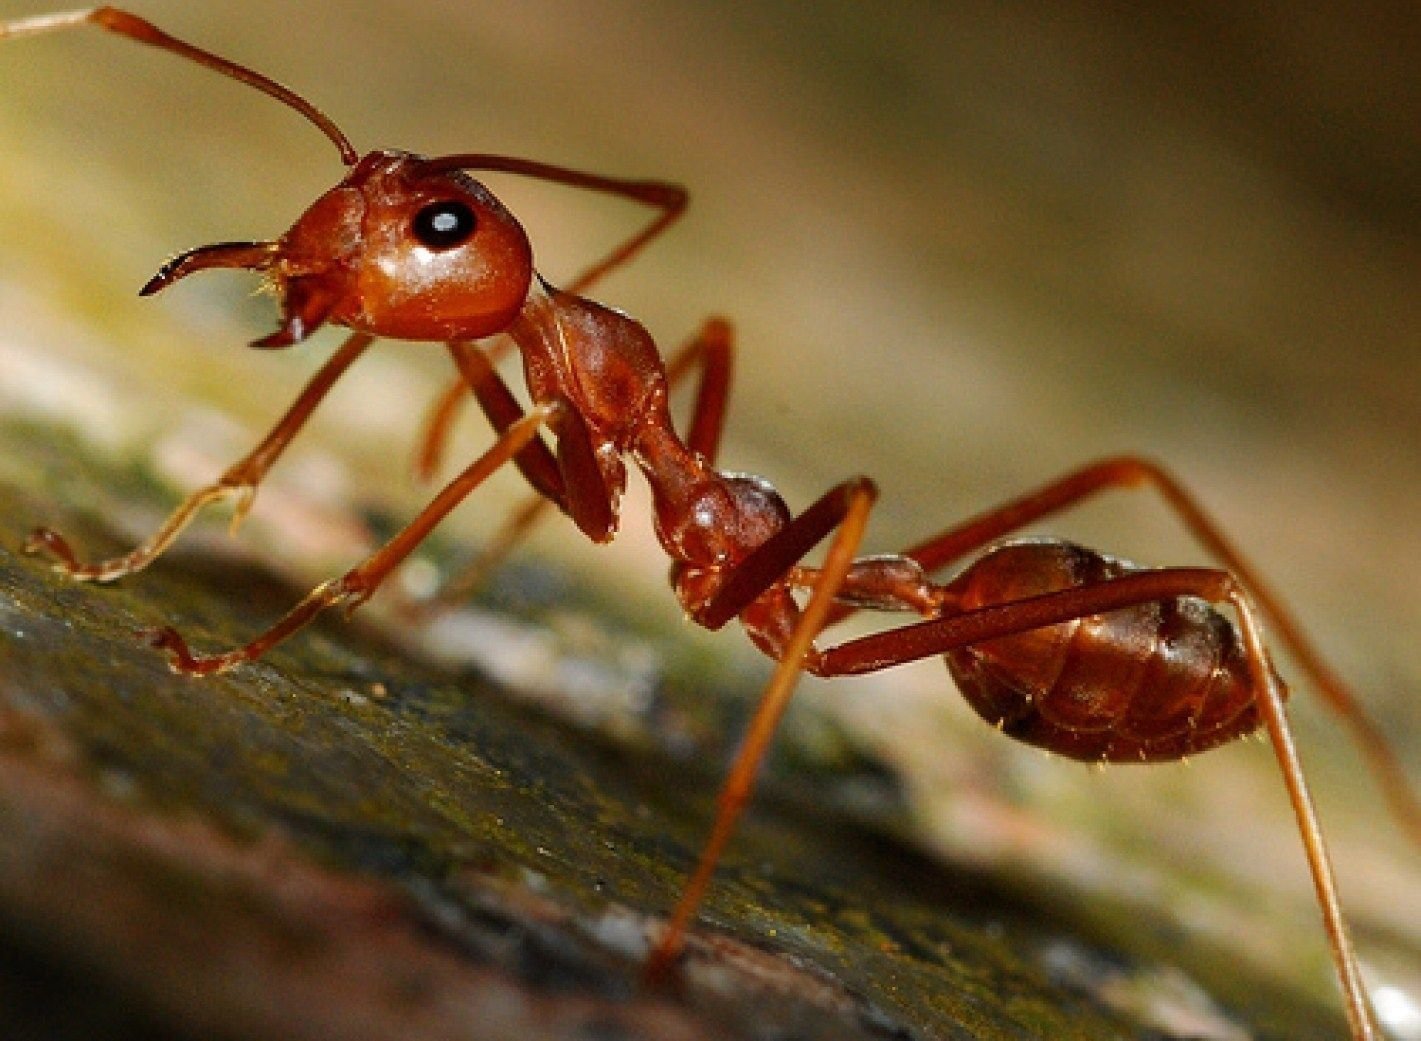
{"type": "Point", "coordinates": [357, 585]}
{"type": "Point", "coordinates": [709, 355]}
{"type": "Point", "coordinates": [238, 483]}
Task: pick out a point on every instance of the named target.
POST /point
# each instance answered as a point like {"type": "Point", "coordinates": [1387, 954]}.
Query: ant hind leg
{"type": "Point", "coordinates": [1130, 472]}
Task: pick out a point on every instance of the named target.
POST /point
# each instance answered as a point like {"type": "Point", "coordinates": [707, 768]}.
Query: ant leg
{"type": "Point", "coordinates": [535, 460]}
{"type": "Point", "coordinates": [670, 200]}
{"type": "Point", "coordinates": [438, 425]}
{"type": "Point", "coordinates": [846, 508]}
{"type": "Point", "coordinates": [356, 586]}
{"type": "Point", "coordinates": [238, 483]}
{"type": "Point", "coordinates": [437, 428]}
{"type": "Point", "coordinates": [1134, 472]}
{"type": "Point", "coordinates": [709, 354]}
{"type": "Point", "coordinates": [1360, 1016]}
{"type": "Point", "coordinates": [491, 555]}
{"type": "Point", "coordinates": [936, 636]}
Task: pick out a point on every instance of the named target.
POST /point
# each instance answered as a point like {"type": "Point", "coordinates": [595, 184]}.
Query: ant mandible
{"type": "Point", "coordinates": [1059, 646]}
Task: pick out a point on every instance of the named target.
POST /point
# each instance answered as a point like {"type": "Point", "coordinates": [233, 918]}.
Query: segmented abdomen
{"type": "Point", "coordinates": [1152, 682]}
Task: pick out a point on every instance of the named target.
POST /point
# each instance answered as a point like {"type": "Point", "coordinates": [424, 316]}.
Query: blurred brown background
{"type": "Point", "coordinates": [967, 246]}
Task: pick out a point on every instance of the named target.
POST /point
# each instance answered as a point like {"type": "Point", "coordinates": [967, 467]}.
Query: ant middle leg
{"type": "Point", "coordinates": [238, 483]}
{"type": "Point", "coordinates": [846, 508]}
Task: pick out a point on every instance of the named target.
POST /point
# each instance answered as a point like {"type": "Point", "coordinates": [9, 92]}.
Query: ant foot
{"type": "Point", "coordinates": [47, 540]}
{"type": "Point", "coordinates": [67, 562]}
{"type": "Point", "coordinates": [662, 971]}
{"type": "Point", "coordinates": [180, 657]}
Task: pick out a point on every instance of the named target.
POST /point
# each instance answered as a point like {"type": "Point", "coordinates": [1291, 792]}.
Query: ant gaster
{"type": "Point", "coordinates": [1056, 645]}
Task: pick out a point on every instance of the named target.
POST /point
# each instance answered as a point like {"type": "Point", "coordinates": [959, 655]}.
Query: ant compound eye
{"type": "Point", "coordinates": [444, 225]}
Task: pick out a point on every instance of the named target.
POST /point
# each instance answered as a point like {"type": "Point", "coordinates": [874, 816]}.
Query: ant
{"type": "Point", "coordinates": [1056, 645]}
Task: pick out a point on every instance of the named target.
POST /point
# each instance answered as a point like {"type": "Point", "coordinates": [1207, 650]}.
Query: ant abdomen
{"type": "Point", "coordinates": [1150, 682]}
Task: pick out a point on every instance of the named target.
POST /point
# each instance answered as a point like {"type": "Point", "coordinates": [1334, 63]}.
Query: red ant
{"type": "Point", "coordinates": [1055, 645]}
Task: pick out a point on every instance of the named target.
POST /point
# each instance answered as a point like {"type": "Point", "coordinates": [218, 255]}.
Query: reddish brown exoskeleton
{"type": "Point", "coordinates": [1055, 645]}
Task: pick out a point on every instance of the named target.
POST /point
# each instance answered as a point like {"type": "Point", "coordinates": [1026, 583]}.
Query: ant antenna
{"type": "Point", "coordinates": [135, 28]}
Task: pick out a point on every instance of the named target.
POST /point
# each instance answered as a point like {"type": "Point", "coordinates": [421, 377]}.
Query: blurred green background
{"type": "Point", "coordinates": [966, 246]}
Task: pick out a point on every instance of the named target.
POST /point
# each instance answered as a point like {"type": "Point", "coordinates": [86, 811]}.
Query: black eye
{"type": "Point", "coordinates": [444, 225]}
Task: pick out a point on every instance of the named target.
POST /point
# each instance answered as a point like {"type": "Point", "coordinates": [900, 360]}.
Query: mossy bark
{"type": "Point", "coordinates": [343, 840]}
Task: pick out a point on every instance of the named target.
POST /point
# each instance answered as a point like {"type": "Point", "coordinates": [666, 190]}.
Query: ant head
{"type": "Point", "coordinates": [403, 247]}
